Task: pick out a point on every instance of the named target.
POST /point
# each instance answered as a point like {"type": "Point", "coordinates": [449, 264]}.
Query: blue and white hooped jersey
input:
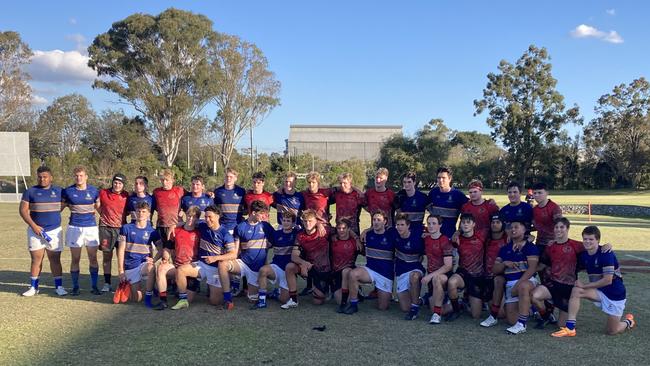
{"type": "Point", "coordinates": [202, 202]}
{"type": "Point", "coordinates": [44, 206]}
{"type": "Point", "coordinates": [82, 205]}
{"type": "Point", "coordinates": [380, 252]}
{"type": "Point", "coordinates": [254, 241]}
{"type": "Point", "coordinates": [139, 244]}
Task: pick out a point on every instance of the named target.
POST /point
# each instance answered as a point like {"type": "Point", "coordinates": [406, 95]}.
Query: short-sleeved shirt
{"type": "Point", "coordinates": [315, 249]}
{"type": "Point", "coordinates": [471, 251]}
{"type": "Point", "coordinates": [112, 209]}
{"type": "Point", "coordinates": [81, 204]}
{"type": "Point", "coordinates": [482, 213]}
{"type": "Point", "coordinates": [436, 250]}
{"type": "Point", "coordinates": [492, 252]}
{"type": "Point", "coordinates": [600, 264]}
{"type": "Point", "coordinates": [288, 202]}
{"type": "Point", "coordinates": [139, 244]}
{"type": "Point", "coordinates": [380, 252]}
{"type": "Point", "coordinates": [318, 202]}
{"type": "Point", "coordinates": [413, 206]}
{"type": "Point", "coordinates": [251, 197]}
{"type": "Point", "coordinates": [408, 252]}
{"type": "Point", "coordinates": [382, 201]}
{"type": "Point", "coordinates": [186, 249]}
{"type": "Point", "coordinates": [518, 257]}
{"type": "Point", "coordinates": [133, 201]}
{"type": "Point", "coordinates": [348, 205]}
{"type": "Point", "coordinates": [231, 202]}
{"type": "Point", "coordinates": [44, 206]}
{"type": "Point", "coordinates": [344, 253]}
{"type": "Point", "coordinates": [447, 205]}
{"type": "Point", "coordinates": [563, 259]}
{"type": "Point", "coordinates": [214, 242]}
{"type": "Point", "coordinates": [202, 202]}
{"type": "Point", "coordinates": [254, 241]}
{"type": "Point", "coordinates": [282, 247]}
{"type": "Point", "coordinates": [521, 212]}
{"type": "Point", "coordinates": [543, 220]}
{"type": "Point", "coordinates": [168, 204]}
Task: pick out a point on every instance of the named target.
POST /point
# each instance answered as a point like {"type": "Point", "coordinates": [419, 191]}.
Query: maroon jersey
{"type": "Point", "coordinates": [112, 208]}
{"type": "Point", "coordinates": [563, 258]}
{"type": "Point", "coordinates": [319, 202]}
{"type": "Point", "coordinates": [186, 250]}
{"type": "Point", "coordinates": [251, 197]}
{"type": "Point", "coordinates": [348, 205]}
{"type": "Point", "coordinates": [470, 252]}
{"type": "Point", "coordinates": [168, 203]}
{"type": "Point", "coordinates": [436, 250]}
{"type": "Point", "coordinates": [481, 213]}
{"type": "Point", "coordinates": [381, 201]}
{"type": "Point", "coordinates": [315, 249]}
{"type": "Point", "coordinates": [543, 221]}
{"type": "Point", "coordinates": [344, 253]}
{"type": "Point", "coordinates": [492, 252]}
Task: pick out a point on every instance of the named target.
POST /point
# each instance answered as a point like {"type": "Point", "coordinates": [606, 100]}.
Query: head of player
{"type": "Point", "coordinates": [212, 215]}
{"type": "Point", "coordinates": [259, 210]}
{"type": "Point", "coordinates": [517, 231]}
{"type": "Point", "coordinates": [540, 193]}
{"type": "Point", "coordinates": [309, 221]}
{"type": "Point", "coordinates": [80, 177]}
{"type": "Point", "coordinates": [467, 224]}
{"type": "Point", "coordinates": [141, 185]}
{"type": "Point", "coordinates": [561, 229]}
{"type": "Point", "coordinates": [409, 182]}
{"type": "Point", "coordinates": [167, 179]}
{"type": "Point", "coordinates": [230, 179]}
{"type": "Point", "coordinates": [434, 223]}
{"type": "Point", "coordinates": [289, 183]}
{"type": "Point", "coordinates": [443, 179]}
{"type": "Point", "coordinates": [514, 193]}
{"type": "Point", "coordinates": [117, 185]}
{"type": "Point", "coordinates": [197, 186]}
{"type": "Point", "coordinates": [343, 228]}
{"type": "Point", "coordinates": [476, 192]}
{"type": "Point", "coordinates": [381, 177]}
{"type": "Point", "coordinates": [345, 180]}
{"type": "Point", "coordinates": [402, 225]}
{"type": "Point", "coordinates": [44, 177]}
{"type": "Point", "coordinates": [313, 182]}
{"type": "Point", "coordinates": [496, 226]}
{"type": "Point", "coordinates": [258, 182]}
{"type": "Point", "coordinates": [379, 220]}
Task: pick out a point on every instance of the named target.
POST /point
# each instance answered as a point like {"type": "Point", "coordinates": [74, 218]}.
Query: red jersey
{"type": "Point", "coordinates": [349, 205]}
{"type": "Point", "coordinates": [543, 221]}
{"type": "Point", "coordinates": [436, 250]}
{"type": "Point", "coordinates": [186, 250]}
{"type": "Point", "coordinates": [112, 211]}
{"type": "Point", "coordinates": [470, 253]}
{"type": "Point", "coordinates": [315, 249]}
{"type": "Point", "coordinates": [481, 213]}
{"type": "Point", "coordinates": [563, 259]}
{"type": "Point", "coordinates": [319, 202]}
{"type": "Point", "coordinates": [492, 252]}
{"type": "Point", "coordinates": [344, 253]}
{"type": "Point", "coordinates": [251, 197]}
{"type": "Point", "coordinates": [381, 201]}
{"type": "Point", "coordinates": [168, 204]}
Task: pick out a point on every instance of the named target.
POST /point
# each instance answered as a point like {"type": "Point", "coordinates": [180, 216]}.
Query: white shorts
{"type": "Point", "coordinates": [36, 242]}
{"type": "Point", "coordinates": [610, 307]}
{"type": "Point", "coordinates": [135, 275]}
{"type": "Point", "coordinates": [78, 237]}
{"type": "Point", "coordinates": [381, 283]}
{"type": "Point", "coordinates": [510, 284]}
{"type": "Point", "coordinates": [280, 277]}
{"type": "Point", "coordinates": [404, 281]}
{"type": "Point", "coordinates": [208, 273]}
{"type": "Point", "coordinates": [245, 271]}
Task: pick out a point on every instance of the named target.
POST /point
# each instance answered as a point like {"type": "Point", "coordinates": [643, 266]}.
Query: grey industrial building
{"type": "Point", "coordinates": [339, 142]}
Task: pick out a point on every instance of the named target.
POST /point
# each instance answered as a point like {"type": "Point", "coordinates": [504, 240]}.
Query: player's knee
{"type": "Point", "coordinates": [415, 277]}
{"type": "Point", "coordinates": [499, 281]}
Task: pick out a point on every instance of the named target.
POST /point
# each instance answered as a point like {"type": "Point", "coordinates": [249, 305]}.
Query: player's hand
{"type": "Point", "coordinates": [509, 264]}
{"type": "Point", "coordinates": [531, 238]}
{"type": "Point", "coordinates": [606, 248]}
{"type": "Point", "coordinates": [362, 237]}
{"type": "Point", "coordinates": [515, 289]}
{"type": "Point", "coordinates": [210, 194]}
{"type": "Point", "coordinates": [454, 238]}
{"type": "Point", "coordinates": [579, 284]}
{"type": "Point", "coordinates": [122, 277]}
{"type": "Point", "coordinates": [171, 234]}
{"type": "Point", "coordinates": [37, 230]}
{"type": "Point", "coordinates": [149, 260]}
{"type": "Point", "coordinates": [209, 259]}
{"type": "Point", "coordinates": [304, 268]}
{"type": "Point", "coordinates": [359, 246]}
{"type": "Point", "coordinates": [166, 256]}
{"type": "Point", "coordinates": [426, 279]}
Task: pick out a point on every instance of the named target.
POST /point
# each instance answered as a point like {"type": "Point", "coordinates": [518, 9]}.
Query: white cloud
{"type": "Point", "coordinates": [60, 66]}
{"type": "Point", "coordinates": [587, 31]}
{"type": "Point", "coordinates": [79, 42]}
{"type": "Point", "coordinates": [611, 12]}
{"type": "Point", "coordinates": [38, 100]}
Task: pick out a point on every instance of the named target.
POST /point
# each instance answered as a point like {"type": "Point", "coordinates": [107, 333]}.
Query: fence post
{"type": "Point", "coordinates": [589, 210]}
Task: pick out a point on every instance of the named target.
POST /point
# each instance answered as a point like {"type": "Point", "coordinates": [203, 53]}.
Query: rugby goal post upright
{"type": "Point", "coordinates": [14, 160]}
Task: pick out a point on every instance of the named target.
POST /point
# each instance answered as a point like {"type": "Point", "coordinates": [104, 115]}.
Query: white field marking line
{"type": "Point", "coordinates": [639, 258]}
{"type": "Point", "coordinates": [16, 259]}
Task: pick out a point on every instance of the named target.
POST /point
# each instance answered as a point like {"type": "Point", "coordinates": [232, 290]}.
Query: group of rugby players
{"type": "Point", "coordinates": [493, 260]}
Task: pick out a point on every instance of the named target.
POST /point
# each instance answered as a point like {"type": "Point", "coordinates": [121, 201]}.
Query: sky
{"type": "Point", "coordinates": [364, 62]}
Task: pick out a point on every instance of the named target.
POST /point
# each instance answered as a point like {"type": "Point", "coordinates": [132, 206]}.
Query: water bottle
{"type": "Point", "coordinates": [45, 236]}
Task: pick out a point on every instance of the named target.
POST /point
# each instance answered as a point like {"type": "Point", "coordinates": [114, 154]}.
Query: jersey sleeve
{"type": "Point", "coordinates": [228, 241]}
{"type": "Point", "coordinates": [608, 262]}
{"type": "Point", "coordinates": [26, 196]}
{"type": "Point", "coordinates": [447, 248]}
{"type": "Point", "coordinates": [531, 250]}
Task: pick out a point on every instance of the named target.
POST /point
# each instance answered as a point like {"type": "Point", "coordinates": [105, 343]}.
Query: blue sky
{"type": "Point", "coordinates": [367, 62]}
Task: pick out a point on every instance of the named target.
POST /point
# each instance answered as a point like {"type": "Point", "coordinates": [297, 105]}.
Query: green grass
{"type": "Point", "coordinates": [602, 197]}
{"type": "Point", "coordinates": [48, 330]}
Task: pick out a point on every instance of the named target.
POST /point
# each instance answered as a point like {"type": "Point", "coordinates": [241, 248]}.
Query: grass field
{"type": "Point", "coordinates": [48, 330]}
{"type": "Point", "coordinates": [605, 197]}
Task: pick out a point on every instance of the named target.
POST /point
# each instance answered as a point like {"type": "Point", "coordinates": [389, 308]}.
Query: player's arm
{"type": "Point", "coordinates": [499, 266]}
{"type": "Point", "coordinates": [608, 277]}
{"type": "Point", "coordinates": [23, 210]}
{"type": "Point", "coordinates": [532, 260]}
{"type": "Point", "coordinates": [121, 248]}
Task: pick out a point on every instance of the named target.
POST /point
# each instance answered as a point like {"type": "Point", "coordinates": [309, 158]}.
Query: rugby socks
{"type": "Point", "coordinates": [628, 323]}
{"type": "Point", "coordinates": [75, 278]}
{"type": "Point", "coordinates": [437, 310]}
{"type": "Point", "coordinates": [549, 308]}
{"type": "Point", "coordinates": [455, 305]}
{"type": "Point", "coordinates": [163, 296]}
{"type": "Point", "coordinates": [34, 282]}
{"type": "Point", "coordinates": [94, 276]}
{"type": "Point", "coordinates": [571, 324]}
{"type": "Point", "coordinates": [227, 296]}
{"type": "Point", "coordinates": [261, 296]}
{"type": "Point", "coordinates": [181, 295]}
{"type": "Point", "coordinates": [523, 319]}
{"type": "Point", "coordinates": [344, 296]}
{"type": "Point", "coordinates": [147, 298]}
{"type": "Point", "coordinates": [293, 295]}
{"type": "Point", "coordinates": [58, 282]}
{"type": "Point", "coordinates": [415, 307]}
{"type": "Point", "coordinates": [494, 310]}
{"type": "Point", "coordinates": [354, 302]}
{"type": "Point", "coordinates": [107, 278]}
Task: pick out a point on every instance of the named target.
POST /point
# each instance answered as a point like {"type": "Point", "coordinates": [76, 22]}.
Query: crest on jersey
{"type": "Point", "coordinates": [450, 199]}
{"type": "Point", "coordinates": [566, 249]}
{"type": "Point", "coordinates": [145, 235]}
{"type": "Point", "coordinates": [52, 194]}
{"type": "Point", "coordinates": [413, 203]}
{"type": "Point", "coordinates": [202, 201]}
{"type": "Point", "coordinates": [235, 195]}
{"type": "Point", "coordinates": [519, 212]}
{"type": "Point", "coordinates": [88, 195]}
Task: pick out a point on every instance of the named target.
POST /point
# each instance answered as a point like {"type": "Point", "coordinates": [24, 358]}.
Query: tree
{"type": "Point", "coordinates": [61, 128]}
{"type": "Point", "coordinates": [524, 109]}
{"type": "Point", "coordinates": [620, 132]}
{"type": "Point", "coordinates": [15, 92]}
{"type": "Point", "coordinates": [158, 65]}
{"type": "Point", "coordinates": [246, 93]}
{"type": "Point", "coordinates": [474, 155]}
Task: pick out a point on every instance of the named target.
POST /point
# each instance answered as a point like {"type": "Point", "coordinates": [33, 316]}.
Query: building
{"type": "Point", "coordinates": [339, 142]}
